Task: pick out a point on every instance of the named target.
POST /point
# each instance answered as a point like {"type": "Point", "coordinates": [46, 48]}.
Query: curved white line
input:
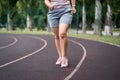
{"type": "Point", "coordinates": [80, 62]}
{"type": "Point", "coordinates": [45, 44]}
{"type": "Point", "coordinates": [15, 41]}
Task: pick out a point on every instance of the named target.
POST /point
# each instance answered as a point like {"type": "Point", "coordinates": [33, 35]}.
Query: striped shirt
{"type": "Point", "coordinates": [60, 3]}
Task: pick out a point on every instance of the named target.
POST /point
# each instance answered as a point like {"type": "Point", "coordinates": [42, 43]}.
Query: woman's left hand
{"type": "Point", "coordinates": [74, 10]}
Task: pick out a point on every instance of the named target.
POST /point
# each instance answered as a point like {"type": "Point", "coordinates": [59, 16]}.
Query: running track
{"type": "Point", "coordinates": [33, 57]}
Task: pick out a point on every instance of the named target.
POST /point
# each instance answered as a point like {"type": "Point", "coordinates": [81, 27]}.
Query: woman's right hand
{"type": "Point", "coordinates": [51, 7]}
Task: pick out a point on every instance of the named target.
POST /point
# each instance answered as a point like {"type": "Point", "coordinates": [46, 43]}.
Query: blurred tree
{"type": "Point", "coordinates": [108, 22]}
{"type": "Point", "coordinates": [33, 13]}
{"type": "Point", "coordinates": [33, 9]}
{"type": "Point", "coordinates": [84, 25]}
{"type": "Point", "coordinates": [8, 6]}
{"type": "Point", "coordinates": [98, 9]}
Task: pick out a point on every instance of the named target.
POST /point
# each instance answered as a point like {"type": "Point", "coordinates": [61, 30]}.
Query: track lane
{"type": "Point", "coordinates": [43, 64]}
{"type": "Point", "coordinates": [101, 63]}
{"type": "Point", "coordinates": [9, 43]}
{"type": "Point", "coordinates": [20, 49]}
{"type": "Point", "coordinates": [26, 56]}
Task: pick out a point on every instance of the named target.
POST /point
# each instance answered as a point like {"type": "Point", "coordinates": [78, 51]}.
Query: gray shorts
{"type": "Point", "coordinates": [60, 16]}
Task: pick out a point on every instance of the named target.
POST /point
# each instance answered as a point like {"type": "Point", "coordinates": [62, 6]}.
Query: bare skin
{"type": "Point", "coordinates": [60, 32]}
{"type": "Point", "coordinates": [61, 40]}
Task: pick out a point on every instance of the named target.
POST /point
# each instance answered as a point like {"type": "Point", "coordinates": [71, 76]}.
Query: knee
{"type": "Point", "coordinates": [62, 35]}
{"type": "Point", "coordinates": [56, 37]}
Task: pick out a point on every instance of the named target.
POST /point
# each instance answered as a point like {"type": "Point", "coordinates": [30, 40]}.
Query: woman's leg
{"type": "Point", "coordinates": [63, 38]}
{"type": "Point", "coordinates": [61, 42]}
{"type": "Point", "coordinates": [57, 43]}
{"type": "Point", "coordinates": [63, 28]}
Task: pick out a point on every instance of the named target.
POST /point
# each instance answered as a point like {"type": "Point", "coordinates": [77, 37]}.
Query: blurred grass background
{"type": "Point", "coordinates": [107, 39]}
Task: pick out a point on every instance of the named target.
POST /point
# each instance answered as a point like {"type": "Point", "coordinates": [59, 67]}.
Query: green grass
{"type": "Point", "coordinates": [18, 31]}
{"type": "Point", "coordinates": [108, 39]}
{"type": "Point", "coordinates": [116, 30]}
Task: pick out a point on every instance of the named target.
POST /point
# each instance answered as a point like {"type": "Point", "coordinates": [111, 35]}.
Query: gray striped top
{"type": "Point", "coordinates": [60, 3]}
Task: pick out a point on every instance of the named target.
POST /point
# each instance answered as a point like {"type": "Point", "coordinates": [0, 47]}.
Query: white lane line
{"type": "Point", "coordinates": [15, 41]}
{"type": "Point", "coordinates": [45, 44]}
{"type": "Point", "coordinates": [80, 62]}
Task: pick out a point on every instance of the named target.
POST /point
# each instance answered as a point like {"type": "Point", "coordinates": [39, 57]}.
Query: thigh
{"type": "Point", "coordinates": [53, 18]}
{"type": "Point", "coordinates": [63, 28]}
{"type": "Point", "coordinates": [56, 32]}
{"type": "Point", "coordinates": [54, 22]}
{"type": "Point", "coordinates": [66, 17]}
{"type": "Point", "coordinates": [65, 21]}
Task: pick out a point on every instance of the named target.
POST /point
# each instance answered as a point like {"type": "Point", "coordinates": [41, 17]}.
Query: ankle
{"type": "Point", "coordinates": [64, 57]}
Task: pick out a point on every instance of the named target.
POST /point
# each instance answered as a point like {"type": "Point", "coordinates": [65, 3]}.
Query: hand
{"type": "Point", "coordinates": [51, 7]}
{"type": "Point", "coordinates": [74, 10]}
